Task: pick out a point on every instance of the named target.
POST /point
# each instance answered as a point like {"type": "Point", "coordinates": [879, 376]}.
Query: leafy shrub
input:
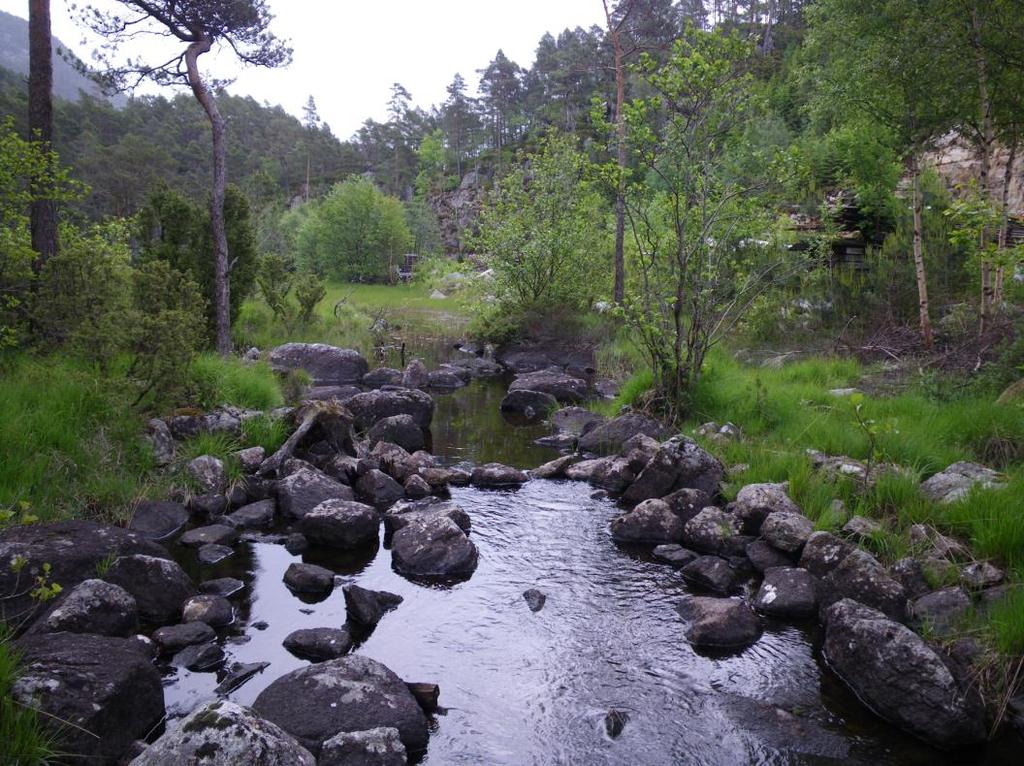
{"type": "Point", "coordinates": [309, 291]}
{"type": "Point", "coordinates": [274, 279]}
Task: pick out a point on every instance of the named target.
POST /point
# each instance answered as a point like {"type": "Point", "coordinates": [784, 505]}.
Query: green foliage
{"type": "Point", "coordinates": [424, 229]}
{"type": "Point", "coordinates": [542, 231]}
{"type": "Point", "coordinates": [356, 233]}
{"type": "Point", "coordinates": [274, 279]}
{"type": "Point", "coordinates": [264, 431]}
{"type": "Point", "coordinates": [309, 291]}
{"type": "Point", "coordinates": [23, 739]}
{"type": "Point", "coordinates": [216, 381]}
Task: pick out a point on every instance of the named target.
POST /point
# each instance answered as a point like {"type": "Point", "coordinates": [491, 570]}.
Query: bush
{"type": "Point", "coordinates": [309, 291]}
{"type": "Point", "coordinates": [216, 381]}
{"type": "Point", "coordinates": [356, 233]}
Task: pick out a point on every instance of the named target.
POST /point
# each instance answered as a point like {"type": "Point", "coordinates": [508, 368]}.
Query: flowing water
{"type": "Point", "coordinates": [533, 688]}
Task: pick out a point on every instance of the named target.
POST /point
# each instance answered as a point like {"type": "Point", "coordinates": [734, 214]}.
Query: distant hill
{"type": "Point", "coordinates": [67, 81]}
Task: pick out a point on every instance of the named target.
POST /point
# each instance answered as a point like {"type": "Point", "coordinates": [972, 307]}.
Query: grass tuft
{"type": "Point", "coordinates": [219, 381]}
{"type": "Point", "coordinates": [23, 739]}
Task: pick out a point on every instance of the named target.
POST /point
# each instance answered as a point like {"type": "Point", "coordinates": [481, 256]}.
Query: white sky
{"type": "Point", "coordinates": [349, 52]}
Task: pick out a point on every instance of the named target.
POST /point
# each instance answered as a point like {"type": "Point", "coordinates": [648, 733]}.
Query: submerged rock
{"type": "Point", "coordinates": [535, 599]}
{"type": "Point", "coordinates": [900, 677]}
{"type": "Point", "coordinates": [222, 733]}
{"type": "Point", "coordinates": [497, 476]}
{"type": "Point", "coordinates": [433, 547]}
{"type": "Point", "coordinates": [614, 722]}
{"type": "Point", "coordinates": [720, 623]}
{"type": "Point", "coordinates": [350, 694]}
{"type": "Point", "coordinates": [319, 644]}
{"type": "Point", "coordinates": [531, 406]}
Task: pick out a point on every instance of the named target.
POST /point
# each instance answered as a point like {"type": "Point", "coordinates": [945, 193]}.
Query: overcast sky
{"type": "Point", "coordinates": [348, 52]}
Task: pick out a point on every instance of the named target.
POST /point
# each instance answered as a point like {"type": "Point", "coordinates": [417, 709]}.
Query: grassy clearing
{"type": "Point", "coordinates": [23, 741]}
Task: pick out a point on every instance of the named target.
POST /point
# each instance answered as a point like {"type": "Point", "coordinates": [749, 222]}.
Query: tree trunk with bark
{"type": "Point", "coordinates": [614, 32]}
{"type": "Point", "coordinates": [221, 270]}
{"type": "Point", "coordinates": [922, 280]}
{"type": "Point", "coordinates": [984, 173]}
{"type": "Point", "coordinates": [43, 212]}
{"type": "Point", "coordinates": [1004, 209]}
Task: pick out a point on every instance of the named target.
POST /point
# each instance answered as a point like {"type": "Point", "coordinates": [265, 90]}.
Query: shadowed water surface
{"type": "Point", "coordinates": [534, 688]}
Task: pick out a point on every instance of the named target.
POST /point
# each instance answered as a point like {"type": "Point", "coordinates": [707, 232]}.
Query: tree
{"type": "Point", "coordinates": [311, 122]}
{"type": "Point", "coordinates": [501, 86]}
{"type": "Point", "coordinates": [460, 123]}
{"type": "Point", "coordinates": [40, 121]}
{"type": "Point", "coordinates": [243, 26]}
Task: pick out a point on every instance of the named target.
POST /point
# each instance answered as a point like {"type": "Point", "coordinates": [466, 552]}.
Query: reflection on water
{"type": "Point", "coordinates": [525, 688]}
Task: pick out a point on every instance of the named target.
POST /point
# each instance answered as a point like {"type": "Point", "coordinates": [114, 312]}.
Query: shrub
{"type": "Point", "coordinates": [309, 291]}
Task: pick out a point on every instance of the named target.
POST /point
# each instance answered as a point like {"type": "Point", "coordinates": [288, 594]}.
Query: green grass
{"type": "Point", "coordinates": [1005, 623]}
{"type": "Point", "coordinates": [218, 381]}
{"type": "Point", "coordinates": [23, 740]}
{"type": "Point", "coordinates": [264, 431]}
{"type": "Point", "coordinates": [70, 444]}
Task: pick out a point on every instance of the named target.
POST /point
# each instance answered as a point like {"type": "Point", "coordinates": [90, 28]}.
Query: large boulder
{"type": "Point", "coordinates": [529, 406]}
{"type": "Point", "coordinates": [720, 623]}
{"type": "Point", "coordinates": [379, 489]}
{"type": "Point", "coordinates": [98, 694]}
{"type": "Point", "coordinates": [575, 420]}
{"type": "Point", "coordinates": [350, 694]}
{"type": "Point", "coordinates": [787, 592]}
{"type": "Point", "coordinates": [158, 585]}
{"type": "Point", "coordinates": [498, 476]}
{"type": "Point", "coordinates": [433, 547]}
{"type": "Point", "coordinates": [895, 673]}
{"type": "Point", "coordinates": [861, 577]}
{"type": "Point", "coordinates": [371, 406]}
{"type": "Point", "coordinates": [787, 531]}
{"type": "Point", "coordinates": [302, 491]}
{"type": "Point", "coordinates": [397, 429]}
{"type": "Point", "coordinates": [709, 530]}
{"type": "Point", "coordinates": [158, 520]}
{"type": "Point", "coordinates": [72, 549]}
{"type": "Point", "coordinates": [565, 388]}
{"type": "Point", "coordinates": [415, 374]}
{"type": "Point", "coordinates": [956, 481]}
{"type": "Point", "coordinates": [610, 473]}
{"type": "Point", "coordinates": [222, 733]}
{"type": "Point", "coordinates": [823, 552]}
{"type": "Point", "coordinates": [341, 524]}
{"type": "Point", "coordinates": [96, 607]}
{"type": "Point", "coordinates": [712, 573]}
{"type": "Point", "coordinates": [608, 438]}
{"type": "Point", "coordinates": [679, 463]}
{"type": "Point", "coordinates": [382, 376]}
{"type": "Point", "coordinates": [375, 747]}
{"type": "Point", "coordinates": [755, 502]}
{"type": "Point", "coordinates": [258, 515]}
{"type": "Point", "coordinates": [326, 365]}
{"type": "Point", "coordinates": [652, 521]}
{"type": "Point", "coordinates": [404, 513]}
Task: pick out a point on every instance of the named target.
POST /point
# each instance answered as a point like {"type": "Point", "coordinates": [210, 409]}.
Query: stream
{"type": "Point", "coordinates": [534, 688]}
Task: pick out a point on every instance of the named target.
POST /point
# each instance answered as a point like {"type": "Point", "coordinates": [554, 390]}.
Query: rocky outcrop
{"type": "Point", "coordinates": [433, 547]}
{"type": "Point", "coordinates": [98, 694]}
{"type": "Point", "coordinates": [326, 365]}
{"type": "Point", "coordinates": [892, 670]}
{"type": "Point", "coordinates": [679, 463]}
{"type": "Point", "coordinates": [371, 406]}
{"type": "Point", "coordinates": [350, 694]}
{"type": "Point", "coordinates": [222, 733]}
{"type": "Point", "coordinates": [565, 388]}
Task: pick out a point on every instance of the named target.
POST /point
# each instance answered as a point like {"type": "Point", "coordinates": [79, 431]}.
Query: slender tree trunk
{"type": "Point", "coordinates": [922, 281]}
{"type": "Point", "coordinates": [1004, 228]}
{"type": "Point", "coordinates": [987, 141]}
{"type": "Point", "coordinates": [43, 213]}
{"type": "Point", "coordinates": [620, 157]}
{"type": "Point", "coordinates": [221, 286]}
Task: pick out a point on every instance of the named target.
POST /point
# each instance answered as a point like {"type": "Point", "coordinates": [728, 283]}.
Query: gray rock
{"type": "Point", "coordinates": [208, 474]}
{"type": "Point", "coordinates": [366, 607]}
{"type": "Point", "coordinates": [416, 487]}
{"type": "Point", "coordinates": [709, 530]}
{"type": "Point", "coordinates": [535, 599]}
{"type": "Point", "coordinates": [755, 502]}
{"type": "Point", "coordinates": [210, 506]}
{"type": "Point", "coordinates": [200, 658]}
{"type": "Point", "coordinates": [860, 528]}
{"type": "Point", "coordinates": [433, 547]}
{"type": "Point", "coordinates": [238, 674]}
{"type": "Point", "coordinates": [350, 694]}
{"type": "Point", "coordinates": [528, 406]}
{"type": "Point", "coordinates": [710, 572]}
{"type": "Point", "coordinates": [981, 575]}
{"type": "Point", "coordinates": [221, 733]}
{"type": "Point", "coordinates": [214, 534]}
{"type": "Point", "coordinates": [158, 585]}
{"type": "Point", "coordinates": [319, 644]}
{"type": "Point", "coordinates": [940, 610]}
{"type": "Point", "coordinates": [251, 459]}
{"type": "Point", "coordinates": [893, 671]}
{"type": "Point", "coordinates": [687, 503]}
{"type": "Point", "coordinates": [787, 531]}
{"type": "Point", "coordinates": [763, 556]}
{"type": "Point", "coordinates": [371, 406]}
{"type": "Point", "coordinates": [401, 514]}
{"type": "Point", "coordinates": [608, 438]}
{"type": "Point", "coordinates": [378, 488]}
{"type": "Point", "coordinates": [97, 694]}
{"type": "Point", "coordinates": [610, 473]}
{"type": "Point", "coordinates": [158, 520]}
{"type": "Point", "coordinates": [720, 623]}
{"type": "Point", "coordinates": [787, 592]}
{"type": "Point", "coordinates": [415, 375]}
{"type": "Point", "coordinates": [679, 463]}
{"type": "Point", "coordinates": [339, 394]}
{"type": "Point", "coordinates": [210, 554]}
{"type": "Point", "coordinates": [304, 490]}
{"type": "Point", "coordinates": [96, 607]}
{"type": "Point", "coordinates": [341, 524]}
{"type": "Point", "coordinates": [497, 476]}
{"type": "Point", "coordinates": [823, 552]}
{"type": "Point", "coordinates": [859, 576]}
{"type": "Point", "coordinates": [448, 379]}
{"type": "Point", "coordinates": [397, 429]}
{"type": "Point", "coordinates": [908, 573]}
{"type": "Point", "coordinates": [173, 638]}
{"type": "Point", "coordinates": [554, 469]}
{"type": "Point", "coordinates": [259, 515]}
{"type": "Point", "coordinates": [575, 421]}
{"type": "Point", "coordinates": [375, 747]}
{"type": "Point", "coordinates": [215, 611]}
{"type": "Point", "coordinates": [564, 388]}
{"type": "Point", "coordinates": [652, 521]}
{"type": "Point", "coordinates": [326, 365]}
{"type": "Point", "coordinates": [222, 586]}
{"type": "Point", "coordinates": [956, 481]}
{"type": "Point", "coordinates": [382, 376]}
{"type": "Point", "coordinates": [674, 554]}
{"type": "Point", "coordinates": [309, 578]}
{"type": "Point", "coordinates": [161, 441]}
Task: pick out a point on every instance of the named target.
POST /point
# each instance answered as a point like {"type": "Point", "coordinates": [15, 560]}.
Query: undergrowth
{"type": "Point", "coordinates": [23, 740]}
